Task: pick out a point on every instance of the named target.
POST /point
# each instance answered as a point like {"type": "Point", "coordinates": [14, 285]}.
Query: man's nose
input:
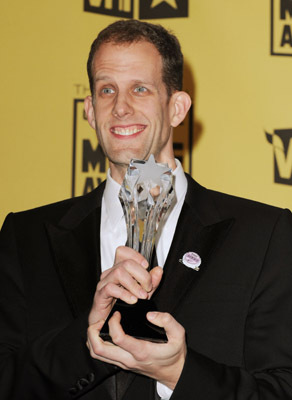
{"type": "Point", "coordinates": [122, 106]}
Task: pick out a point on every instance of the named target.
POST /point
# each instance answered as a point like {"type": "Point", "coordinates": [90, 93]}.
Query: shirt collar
{"type": "Point", "coordinates": [180, 181]}
{"type": "Point", "coordinates": [111, 203]}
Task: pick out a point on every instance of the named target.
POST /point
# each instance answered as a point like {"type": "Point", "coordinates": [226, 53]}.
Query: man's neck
{"type": "Point", "coordinates": [118, 172]}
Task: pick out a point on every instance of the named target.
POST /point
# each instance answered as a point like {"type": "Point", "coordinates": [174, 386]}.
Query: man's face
{"type": "Point", "coordinates": [130, 109]}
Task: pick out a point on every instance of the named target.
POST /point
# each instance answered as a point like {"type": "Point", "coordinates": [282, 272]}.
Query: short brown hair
{"type": "Point", "coordinates": [130, 31]}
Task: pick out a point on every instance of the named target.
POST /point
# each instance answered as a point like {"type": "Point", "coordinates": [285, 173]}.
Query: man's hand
{"type": "Point", "coordinates": [162, 362]}
{"type": "Point", "coordinates": [127, 280]}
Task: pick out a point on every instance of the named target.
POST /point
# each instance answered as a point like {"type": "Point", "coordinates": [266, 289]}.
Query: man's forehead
{"type": "Point", "coordinates": [140, 58]}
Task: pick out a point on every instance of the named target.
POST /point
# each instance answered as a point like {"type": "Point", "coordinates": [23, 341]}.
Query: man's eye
{"type": "Point", "coordinates": [140, 89]}
{"type": "Point", "coordinates": [107, 90]}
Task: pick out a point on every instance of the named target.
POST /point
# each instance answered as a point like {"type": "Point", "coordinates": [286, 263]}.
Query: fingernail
{"type": "Point", "coordinates": [144, 263]}
{"type": "Point", "coordinates": [150, 287]}
{"type": "Point", "coordinates": [152, 315]}
{"type": "Point", "coordinates": [143, 294]}
{"type": "Point", "coordinates": [133, 299]}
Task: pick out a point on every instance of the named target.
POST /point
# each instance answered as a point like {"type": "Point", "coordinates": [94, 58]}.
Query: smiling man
{"type": "Point", "coordinates": [64, 265]}
{"type": "Point", "coordinates": [133, 109]}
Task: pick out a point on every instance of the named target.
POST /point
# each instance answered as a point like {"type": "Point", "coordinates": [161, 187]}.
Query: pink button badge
{"type": "Point", "coordinates": [192, 260]}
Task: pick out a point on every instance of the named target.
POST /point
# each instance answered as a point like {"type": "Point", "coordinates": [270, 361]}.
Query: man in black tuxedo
{"type": "Point", "coordinates": [228, 325]}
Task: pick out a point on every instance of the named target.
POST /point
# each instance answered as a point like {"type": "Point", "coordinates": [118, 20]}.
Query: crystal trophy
{"type": "Point", "coordinates": [145, 195]}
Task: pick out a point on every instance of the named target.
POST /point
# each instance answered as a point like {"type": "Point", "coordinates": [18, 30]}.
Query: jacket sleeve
{"type": "Point", "coordinates": [55, 365]}
{"type": "Point", "coordinates": [266, 370]}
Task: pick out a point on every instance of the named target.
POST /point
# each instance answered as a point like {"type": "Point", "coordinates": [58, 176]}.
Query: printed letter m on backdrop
{"type": "Point", "coordinates": [286, 6]}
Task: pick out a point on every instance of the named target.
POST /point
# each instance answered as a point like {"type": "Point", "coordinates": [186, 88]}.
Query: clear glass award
{"type": "Point", "coordinates": [145, 195]}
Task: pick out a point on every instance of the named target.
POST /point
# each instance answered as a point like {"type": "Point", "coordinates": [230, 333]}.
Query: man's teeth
{"type": "Point", "coordinates": [126, 131]}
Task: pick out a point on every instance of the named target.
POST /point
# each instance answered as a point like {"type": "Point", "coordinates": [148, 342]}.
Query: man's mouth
{"type": "Point", "coordinates": [127, 130]}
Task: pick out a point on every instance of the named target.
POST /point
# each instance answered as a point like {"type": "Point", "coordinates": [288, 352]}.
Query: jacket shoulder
{"type": "Point", "coordinates": [228, 203]}
{"type": "Point", "coordinates": [54, 212]}
{"type": "Point", "coordinates": [229, 206]}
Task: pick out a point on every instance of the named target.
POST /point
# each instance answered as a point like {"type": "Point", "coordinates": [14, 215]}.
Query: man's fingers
{"type": "Point", "coordinates": [173, 329]}
{"type": "Point", "coordinates": [136, 281]}
{"type": "Point", "coordinates": [119, 292]}
{"type": "Point", "coordinates": [130, 272]}
{"type": "Point", "coordinates": [156, 275]}
{"type": "Point", "coordinates": [92, 333]}
{"type": "Point", "coordinates": [124, 253]}
{"type": "Point", "coordinates": [129, 347]}
{"type": "Point", "coordinates": [115, 329]}
{"type": "Point", "coordinates": [101, 350]}
{"type": "Point", "coordinates": [107, 351]}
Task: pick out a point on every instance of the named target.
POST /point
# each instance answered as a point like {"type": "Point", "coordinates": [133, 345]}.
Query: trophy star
{"type": "Point", "coordinates": [150, 170]}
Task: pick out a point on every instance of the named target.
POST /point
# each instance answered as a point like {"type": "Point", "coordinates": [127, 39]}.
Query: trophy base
{"type": "Point", "coordinates": [135, 323]}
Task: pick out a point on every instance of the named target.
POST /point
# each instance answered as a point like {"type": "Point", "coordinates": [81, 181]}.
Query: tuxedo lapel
{"type": "Point", "coordinates": [75, 244]}
{"type": "Point", "coordinates": [198, 232]}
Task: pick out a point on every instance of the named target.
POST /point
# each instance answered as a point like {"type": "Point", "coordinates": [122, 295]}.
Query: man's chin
{"type": "Point", "coordinates": [119, 165]}
{"type": "Point", "coordinates": [123, 162]}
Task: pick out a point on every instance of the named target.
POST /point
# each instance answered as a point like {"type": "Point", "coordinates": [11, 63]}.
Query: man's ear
{"type": "Point", "coordinates": [89, 111]}
{"type": "Point", "coordinates": [181, 103]}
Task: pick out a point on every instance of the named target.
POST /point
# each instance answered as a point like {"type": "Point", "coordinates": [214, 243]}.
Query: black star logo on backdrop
{"type": "Point", "coordinates": [156, 9]}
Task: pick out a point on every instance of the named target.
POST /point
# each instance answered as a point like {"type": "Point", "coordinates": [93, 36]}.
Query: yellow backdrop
{"type": "Point", "coordinates": [238, 71]}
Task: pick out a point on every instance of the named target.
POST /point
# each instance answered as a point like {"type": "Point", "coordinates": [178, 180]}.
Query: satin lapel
{"type": "Point", "coordinates": [192, 234]}
{"type": "Point", "coordinates": [75, 244]}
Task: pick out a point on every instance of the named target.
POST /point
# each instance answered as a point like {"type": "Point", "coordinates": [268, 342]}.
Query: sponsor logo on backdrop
{"type": "Point", "coordinates": [281, 140]}
{"type": "Point", "coordinates": [151, 9]}
{"type": "Point", "coordinates": [143, 9]}
{"type": "Point", "coordinates": [281, 27]}
{"type": "Point", "coordinates": [90, 166]}
{"type": "Point", "coordinates": [89, 163]}
{"type": "Point", "coordinates": [115, 8]}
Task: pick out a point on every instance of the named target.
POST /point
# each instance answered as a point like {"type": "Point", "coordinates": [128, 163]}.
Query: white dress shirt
{"type": "Point", "coordinates": [113, 230]}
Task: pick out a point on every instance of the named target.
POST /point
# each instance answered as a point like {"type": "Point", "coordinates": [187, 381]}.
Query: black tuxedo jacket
{"type": "Point", "coordinates": [236, 309]}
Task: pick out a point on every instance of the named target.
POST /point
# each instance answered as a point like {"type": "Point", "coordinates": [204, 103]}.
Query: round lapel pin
{"type": "Point", "coordinates": [192, 260]}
